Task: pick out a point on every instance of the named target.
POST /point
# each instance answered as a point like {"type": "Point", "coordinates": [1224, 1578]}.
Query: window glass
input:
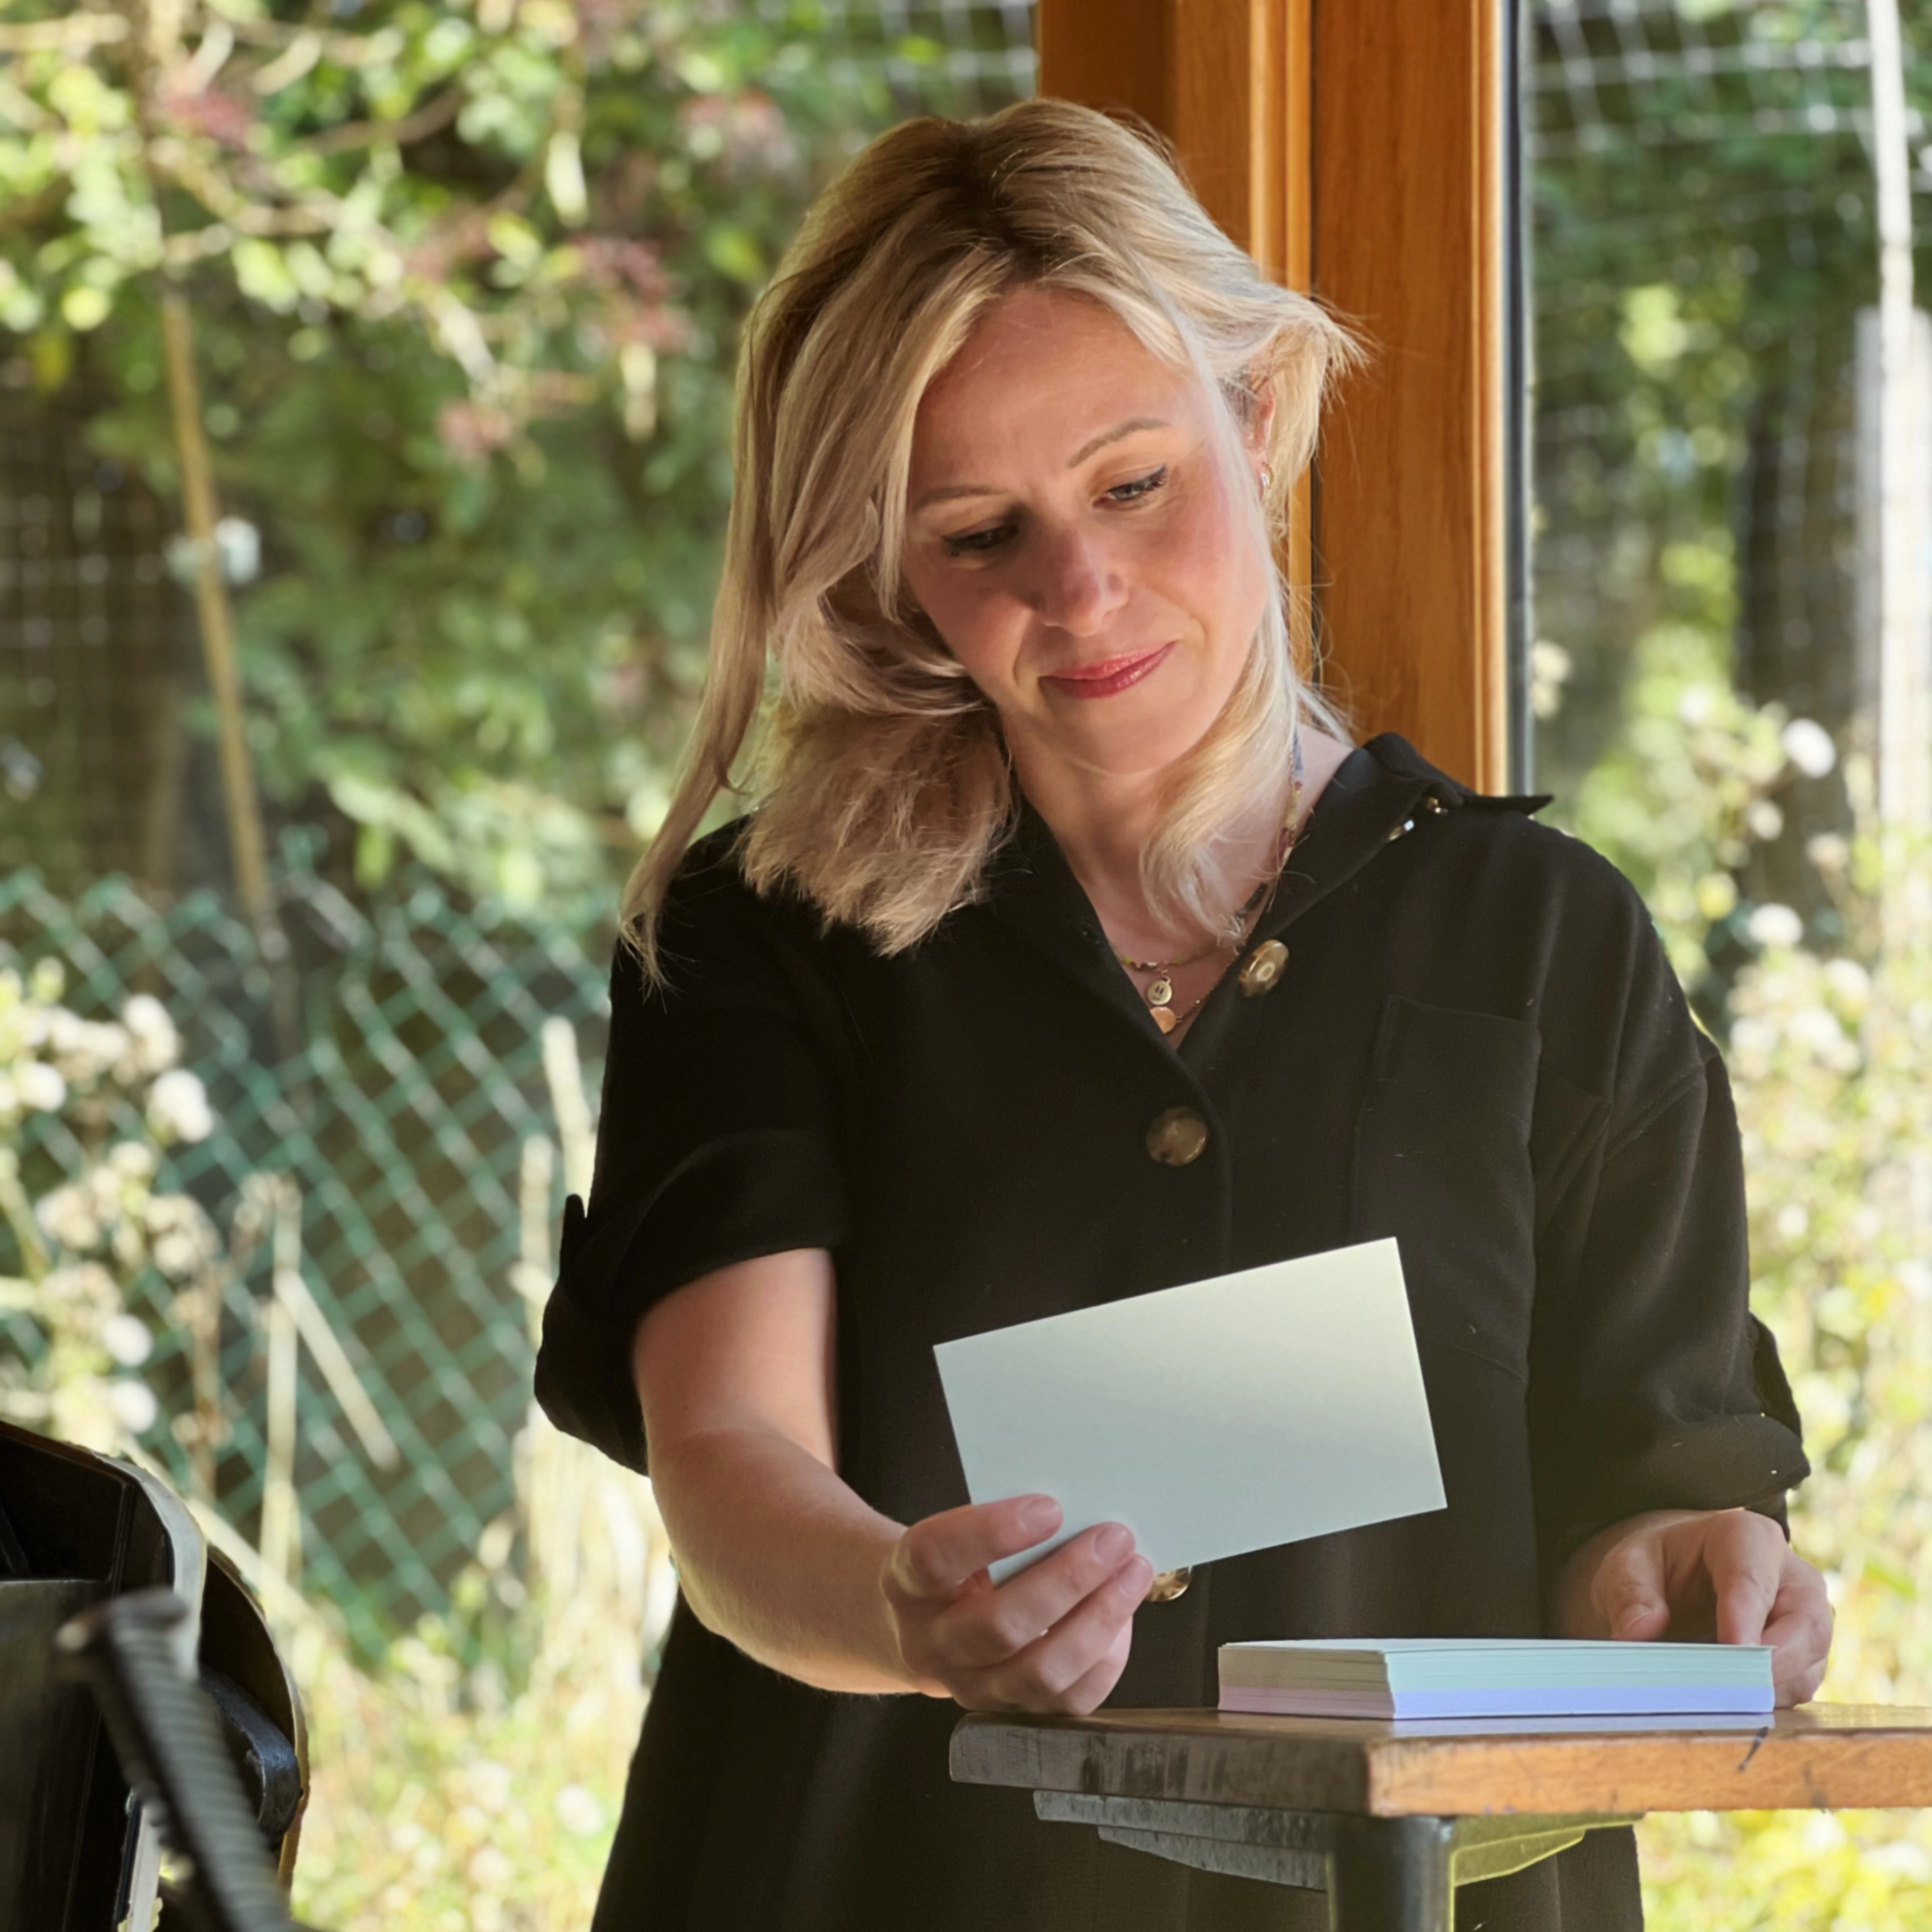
{"type": "Point", "coordinates": [1728, 554]}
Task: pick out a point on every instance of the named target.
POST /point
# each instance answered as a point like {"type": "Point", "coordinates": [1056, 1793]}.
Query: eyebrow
{"type": "Point", "coordinates": [1132, 427]}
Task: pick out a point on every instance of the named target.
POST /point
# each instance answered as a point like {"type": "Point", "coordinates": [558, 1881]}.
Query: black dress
{"type": "Point", "coordinates": [1476, 1046]}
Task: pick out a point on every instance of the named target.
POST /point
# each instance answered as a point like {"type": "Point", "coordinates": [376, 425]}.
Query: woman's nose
{"type": "Point", "coordinates": [1078, 586]}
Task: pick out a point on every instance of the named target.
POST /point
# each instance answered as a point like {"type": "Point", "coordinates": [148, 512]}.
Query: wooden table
{"type": "Point", "coordinates": [1389, 1818]}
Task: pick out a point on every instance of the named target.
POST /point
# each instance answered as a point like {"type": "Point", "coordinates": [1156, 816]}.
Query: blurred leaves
{"type": "Point", "coordinates": [1827, 1034]}
{"type": "Point", "coordinates": [1671, 801]}
{"type": "Point", "coordinates": [467, 282]}
{"type": "Point", "coordinates": [1832, 1058]}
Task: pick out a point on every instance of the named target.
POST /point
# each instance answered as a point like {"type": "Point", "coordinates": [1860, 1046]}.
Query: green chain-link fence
{"type": "Point", "coordinates": [390, 1065]}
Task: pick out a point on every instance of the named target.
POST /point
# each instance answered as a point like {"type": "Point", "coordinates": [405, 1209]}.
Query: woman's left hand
{"type": "Point", "coordinates": [1726, 1574]}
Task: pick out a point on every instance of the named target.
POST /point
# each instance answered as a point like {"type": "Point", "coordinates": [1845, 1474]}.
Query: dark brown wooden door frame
{"type": "Point", "coordinates": [1366, 149]}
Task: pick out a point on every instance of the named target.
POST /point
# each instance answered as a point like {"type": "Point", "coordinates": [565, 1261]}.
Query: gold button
{"type": "Point", "coordinates": [1434, 806]}
{"type": "Point", "coordinates": [1168, 1584]}
{"type": "Point", "coordinates": [1176, 1137]}
{"type": "Point", "coordinates": [1262, 971]}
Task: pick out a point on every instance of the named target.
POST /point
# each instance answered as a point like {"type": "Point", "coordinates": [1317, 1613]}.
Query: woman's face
{"type": "Point", "coordinates": [1077, 540]}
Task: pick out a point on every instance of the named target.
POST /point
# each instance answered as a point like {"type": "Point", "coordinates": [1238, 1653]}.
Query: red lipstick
{"type": "Point", "coordinates": [1111, 674]}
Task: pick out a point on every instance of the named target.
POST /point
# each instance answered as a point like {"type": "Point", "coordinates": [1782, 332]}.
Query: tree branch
{"type": "Point", "coordinates": [426, 121]}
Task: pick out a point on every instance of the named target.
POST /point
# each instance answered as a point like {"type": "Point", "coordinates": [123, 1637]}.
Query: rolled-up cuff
{"type": "Point", "coordinates": [731, 1200]}
{"type": "Point", "coordinates": [1737, 1462]}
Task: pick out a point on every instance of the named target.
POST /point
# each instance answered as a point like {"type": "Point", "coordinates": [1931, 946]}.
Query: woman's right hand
{"type": "Point", "coordinates": [1054, 1638]}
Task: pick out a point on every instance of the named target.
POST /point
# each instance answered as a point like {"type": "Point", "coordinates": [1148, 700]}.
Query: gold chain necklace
{"type": "Point", "coordinates": [1158, 992]}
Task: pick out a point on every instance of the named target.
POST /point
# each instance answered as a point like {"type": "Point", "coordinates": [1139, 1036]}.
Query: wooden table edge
{"type": "Point", "coordinates": [1819, 1757]}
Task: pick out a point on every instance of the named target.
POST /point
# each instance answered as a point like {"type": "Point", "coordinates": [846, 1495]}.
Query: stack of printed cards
{"type": "Point", "coordinates": [1494, 1677]}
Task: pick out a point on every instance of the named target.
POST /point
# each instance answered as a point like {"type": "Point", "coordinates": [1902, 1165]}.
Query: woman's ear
{"type": "Point", "coordinates": [1259, 429]}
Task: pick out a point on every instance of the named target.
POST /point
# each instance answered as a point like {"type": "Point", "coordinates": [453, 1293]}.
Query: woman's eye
{"type": "Point", "coordinates": [977, 543]}
{"type": "Point", "coordinates": [1140, 487]}
{"type": "Point", "coordinates": [982, 543]}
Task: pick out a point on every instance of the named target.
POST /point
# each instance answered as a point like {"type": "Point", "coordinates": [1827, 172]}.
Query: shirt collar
{"type": "Point", "coordinates": [1374, 796]}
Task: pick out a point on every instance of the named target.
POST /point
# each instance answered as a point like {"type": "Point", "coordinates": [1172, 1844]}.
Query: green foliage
{"type": "Point", "coordinates": [1671, 801]}
{"type": "Point", "coordinates": [466, 282]}
{"type": "Point", "coordinates": [1701, 239]}
{"type": "Point", "coordinates": [1830, 1054]}
{"type": "Point", "coordinates": [473, 1781]}
{"type": "Point", "coordinates": [1832, 1061]}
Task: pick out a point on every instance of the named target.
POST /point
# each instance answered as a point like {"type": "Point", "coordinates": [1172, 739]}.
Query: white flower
{"type": "Point", "coordinates": [179, 1253]}
{"type": "Point", "coordinates": [1901, 1857]}
{"type": "Point", "coordinates": [1754, 1040]}
{"type": "Point", "coordinates": [1809, 746]}
{"type": "Point", "coordinates": [1764, 818]}
{"type": "Point", "coordinates": [86, 1286]}
{"type": "Point", "coordinates": [1828, 851]}
{"type": "Point", "coordinates": [132, 1160]}
{"type": "Point", "coordinates": [1776, 925]}
{"type": "Point", "coordinates": [491, 1869]}
{"type": "Point", "coordinates": [123, 1244]}
{"type": "Point", "coordinates": [1849, 981]}
{"type": "Point", "coordinates": [126, 1338]}
{"type": "Point", "coordinates": [40, 1087]}
{"type": "Point", "coordinates": [84, 1049]}
{"type": "Point", "coordinates": [177, 1107]}
{"type": "Point", "coordinates": [182, 1239]}
{"type": "Point", "coordinates": [157, 1045]}
{"type": "Point", "coordinates": [67, 1216]}
{"type": "Point", "coordinates": [105, 1186]}
{"type": "Point", "coordinates": [133, 1405]}
{"type": "Point", "coordinates": [490, 1784]}
{"type": "Point", "coordinates": [578, 1811]}
{"type": "Point", "coordinates": [1793, 1221]}
{"type": "Point", "coordinates": [162, 1213]}
{"type": "Point", "coordinates": [1816, 1030]}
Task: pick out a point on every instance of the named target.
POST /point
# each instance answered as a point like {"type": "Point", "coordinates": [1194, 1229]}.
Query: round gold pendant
{"type": "Point", "coordinates": [1161, 993]}
{"type": "Point", "coordinates": [1163, 1017]}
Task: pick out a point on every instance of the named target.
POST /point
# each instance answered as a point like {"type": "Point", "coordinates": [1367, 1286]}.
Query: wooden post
{"type": "Point", "coordinates": [1408, 242]}
{"type": "Point", "coordinates": [153, 52]}
{"type": "Point", "coordinates": [1355, 147]}
{"type": "Point", "coordinates": [247, 844]}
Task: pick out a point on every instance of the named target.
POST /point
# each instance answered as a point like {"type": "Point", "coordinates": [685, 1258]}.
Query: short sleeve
{"type": "Point", "coordinates": [717, 1138]}
{"type": "Point", "coordinates": [1652, 1385]}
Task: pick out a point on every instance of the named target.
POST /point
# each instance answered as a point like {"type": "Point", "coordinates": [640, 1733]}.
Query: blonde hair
{"type": "Point", "coordinates": [882, 782]}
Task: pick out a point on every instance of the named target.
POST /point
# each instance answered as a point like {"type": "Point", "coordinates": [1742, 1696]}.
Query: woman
{"type": "Point", "coordinates": [1071, 953]}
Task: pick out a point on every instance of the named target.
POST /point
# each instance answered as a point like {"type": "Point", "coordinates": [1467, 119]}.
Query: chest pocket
{"type": "Point", "coordinates": [1442, 1162]}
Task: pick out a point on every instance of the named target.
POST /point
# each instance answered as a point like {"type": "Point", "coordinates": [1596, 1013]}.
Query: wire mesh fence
{"type": "Point", "coordinates": [1703, 240]}
{"type": "Point", "coordinates": [384, 1080]}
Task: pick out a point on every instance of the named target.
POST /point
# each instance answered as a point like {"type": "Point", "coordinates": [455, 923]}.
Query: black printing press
{"type": "Point", "coordinates": [143, 1710]}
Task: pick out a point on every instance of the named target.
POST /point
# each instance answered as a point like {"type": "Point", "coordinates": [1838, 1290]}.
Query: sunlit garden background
{"type": "Point", "coordinates": [301, 987]}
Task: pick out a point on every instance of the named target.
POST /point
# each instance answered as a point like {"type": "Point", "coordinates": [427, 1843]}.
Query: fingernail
{"type": "Point", "coordinates": [1040, 1516]}
{"type": "Point", "coordinates": [1134, 1578]}
{"type": "Point", "coordinates": [1112, 1544]}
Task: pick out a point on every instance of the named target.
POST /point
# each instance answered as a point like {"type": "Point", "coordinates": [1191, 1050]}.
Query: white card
{"type": "Point", "coordinates": [1227, 1415]}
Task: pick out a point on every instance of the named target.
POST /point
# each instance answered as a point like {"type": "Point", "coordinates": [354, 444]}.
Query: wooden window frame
{"type": "Point", "coordinates": [1367, 150]}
